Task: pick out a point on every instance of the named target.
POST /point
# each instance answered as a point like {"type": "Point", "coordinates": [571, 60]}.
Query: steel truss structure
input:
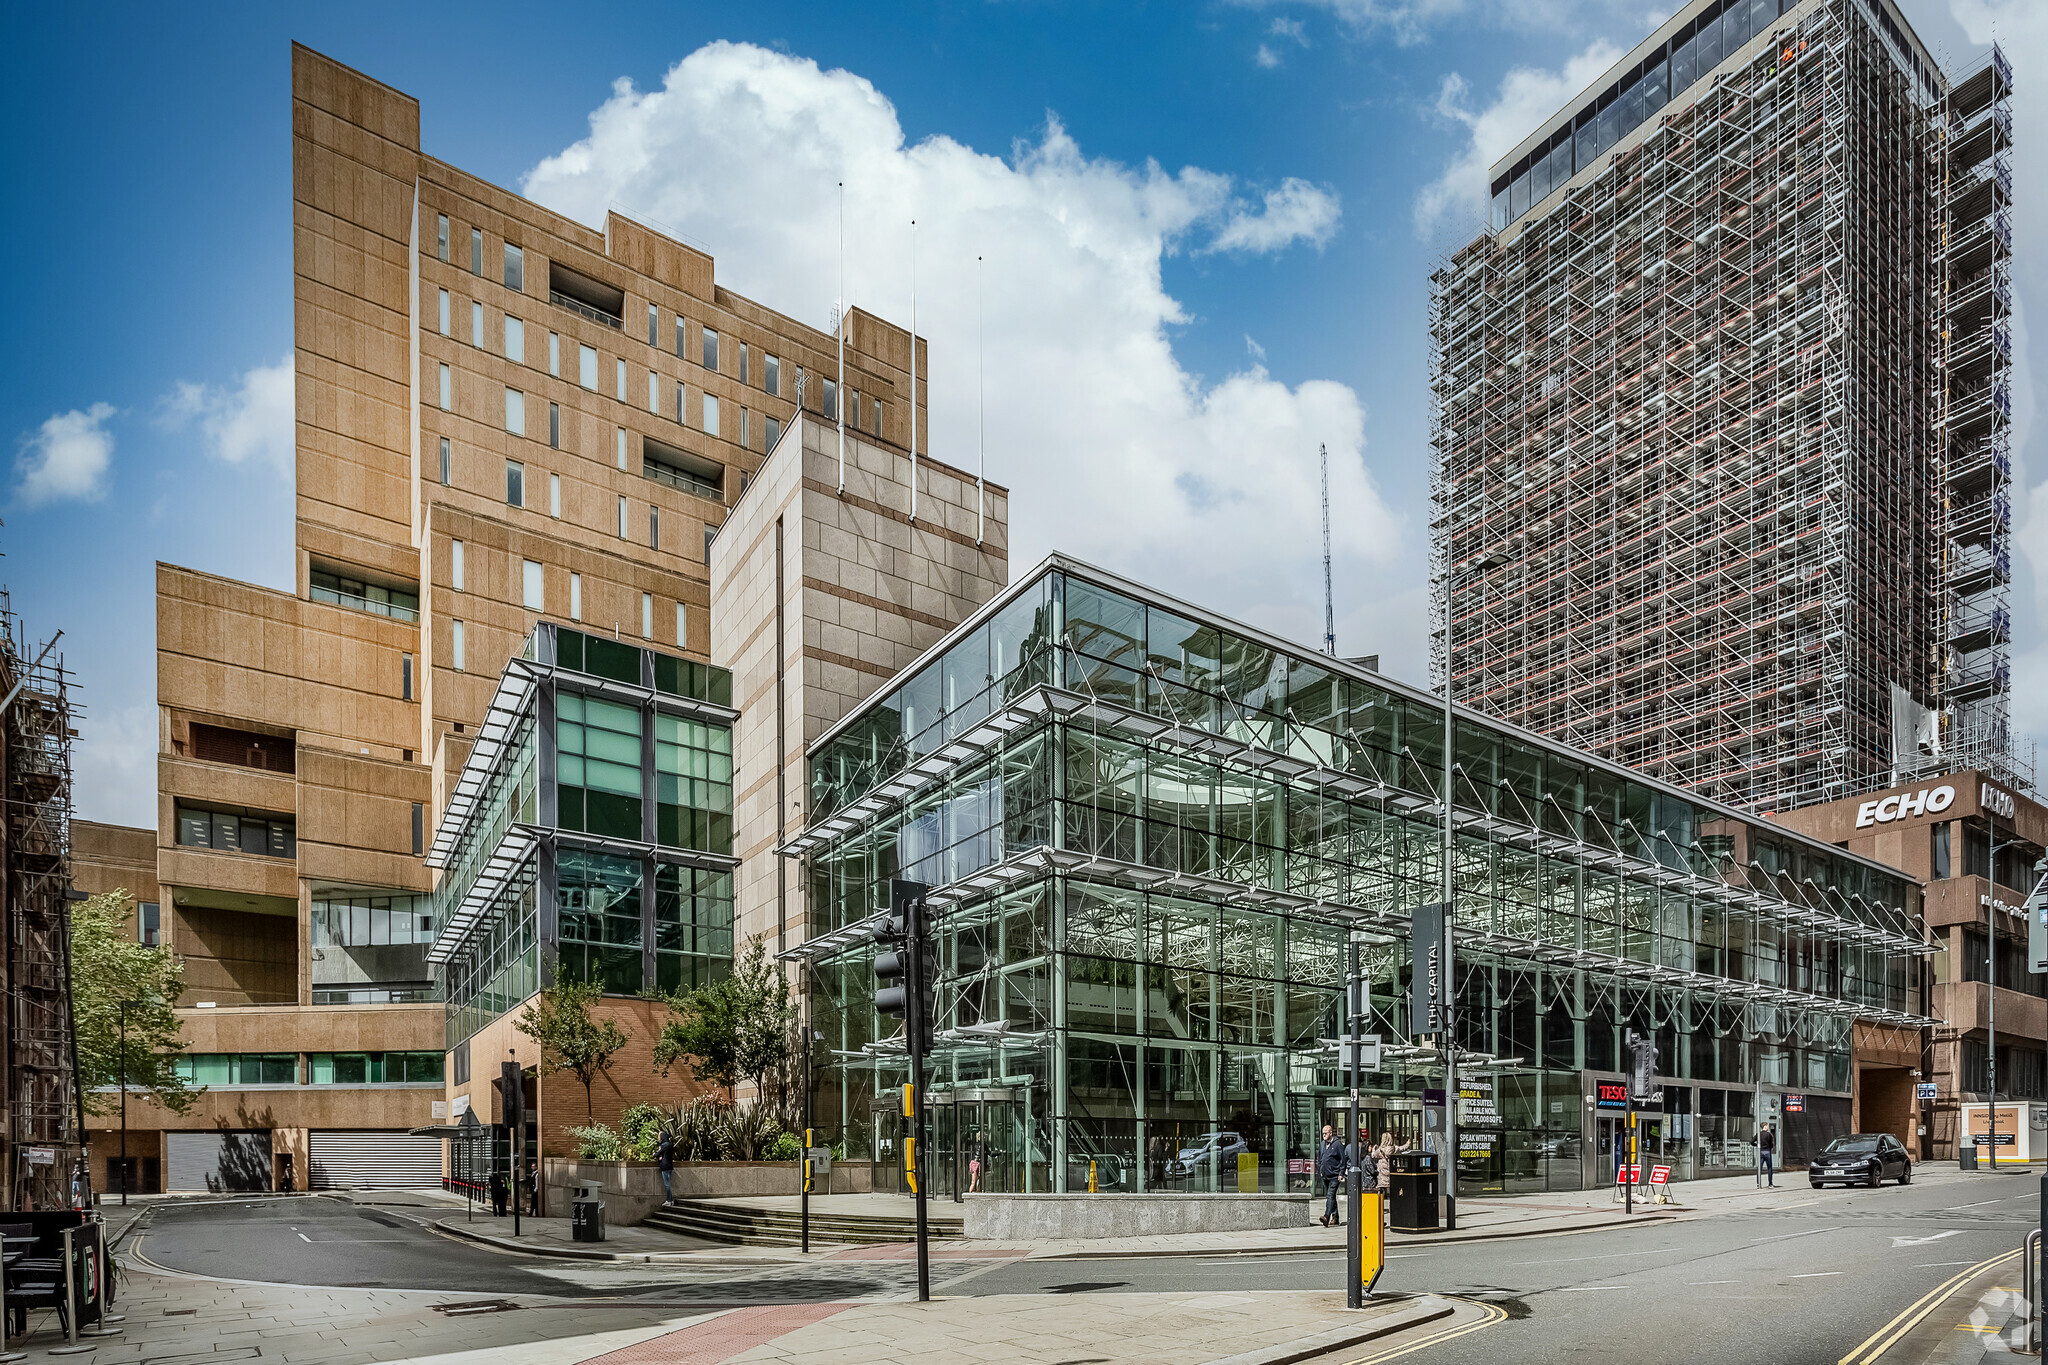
{"type": "Point", "coordinates": [1720, 430]}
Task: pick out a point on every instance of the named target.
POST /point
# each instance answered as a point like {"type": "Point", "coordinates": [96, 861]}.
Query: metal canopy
{"type": "Point", "coordinates": [512, 852]}
{"type": "Point", "coordinates": [508, 703]}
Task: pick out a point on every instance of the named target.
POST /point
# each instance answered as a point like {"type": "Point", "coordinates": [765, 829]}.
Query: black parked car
{"type": "Point", "coordinates": [1861, 1159]}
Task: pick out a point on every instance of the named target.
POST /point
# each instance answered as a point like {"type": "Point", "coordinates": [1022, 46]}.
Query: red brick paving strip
{"type": "Point", "coordinates": [722, 1338]}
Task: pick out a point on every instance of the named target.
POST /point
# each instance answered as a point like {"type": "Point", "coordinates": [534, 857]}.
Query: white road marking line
{"type": "Point", "coordinates": [1898, 1242]}
{"type": "Point", "coordinates": [1408, 1255]}
{"type": "Point", "coordinates": [1978, 1205]}
{"type": "Point", "coordinates": [1936, 1265]}
{"type": "Point", "coordinates": [1589, 1288]}
{"type": "Point", "coordinates": [1787, 1236]}
{"type": "Point", "coordinates": [304, 1238]}
{"type": "Point", "coordinates": [1605, 1256]}
{"type": "Point", "coordinates": [1816, 1274]}
{"type": "Point", "coordinates": [1697, 1283]}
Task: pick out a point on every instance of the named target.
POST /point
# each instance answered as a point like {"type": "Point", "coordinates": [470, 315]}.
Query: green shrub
{"type": "Point", "coordinates": [598, 1142]}
{"type": "Point", "coordinates": [640, 1131]}
{"type": "Point", "coordinates": [788, 1147]}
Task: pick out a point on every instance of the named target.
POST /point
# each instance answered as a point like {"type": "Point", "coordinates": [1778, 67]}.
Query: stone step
{"type": "Point", "coordinates": [741, 1225]}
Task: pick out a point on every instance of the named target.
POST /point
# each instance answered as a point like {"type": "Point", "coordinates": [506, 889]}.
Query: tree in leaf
{"type": "Point", "coordinates": [570, 1037]}
{"type": "Point", "coordinates": [110, 967]}
{"type": "Point", "coordinates": [742, 1026]}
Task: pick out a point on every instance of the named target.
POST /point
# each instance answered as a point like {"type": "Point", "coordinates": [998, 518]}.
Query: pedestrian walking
{"type": "Point", "coordinates": [500, 1189]}
{"type": "Point", "coordinates": [533, 1190]}
{"type": "Point", "coordinates": [977, 1161]}
{"type": "Point", "coordinates": [1331, 1161]}
{"type": "Point", "coordinates": [665, 1161]}
{"type": "Point", "coordinates": [1766, 1153]}
{"type": "Point", "coordinates": [1383, 1157]}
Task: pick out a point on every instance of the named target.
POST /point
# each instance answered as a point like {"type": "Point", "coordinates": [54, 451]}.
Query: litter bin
{"type": "Point", "coordinates": [1968, 1152]}
{"type": "Point", "coordinates": [1412, 1193]}
{"type": "Point", "coordinates": [586, 1213]}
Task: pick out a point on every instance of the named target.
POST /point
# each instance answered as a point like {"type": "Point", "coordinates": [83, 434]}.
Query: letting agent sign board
{"type": "Point", "coordinates": [1426, 988]}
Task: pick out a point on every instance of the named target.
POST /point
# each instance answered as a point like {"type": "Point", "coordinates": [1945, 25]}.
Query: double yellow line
{"type": "Point", "coordinates": [1492, 1315]}
{"type": "Point", "coordinates": [1887, 1336]}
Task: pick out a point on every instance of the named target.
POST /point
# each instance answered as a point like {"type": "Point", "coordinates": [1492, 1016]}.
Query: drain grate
{"type": "Point", "coordinates": [179, 1312]}
{"type": "Point", "coordinates": [463, 1310]}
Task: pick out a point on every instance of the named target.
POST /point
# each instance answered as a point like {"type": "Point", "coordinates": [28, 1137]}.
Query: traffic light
{"type": "Point", "coordinates": [1642, 1066]}
{"type": "Point", "coordinates": [904, 974]}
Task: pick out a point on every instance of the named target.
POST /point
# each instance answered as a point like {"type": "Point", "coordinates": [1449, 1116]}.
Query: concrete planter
{"type": "Point", "coordinates": [632, 1189]}
{"type": "Point", "coordinates": [1031, 1217]}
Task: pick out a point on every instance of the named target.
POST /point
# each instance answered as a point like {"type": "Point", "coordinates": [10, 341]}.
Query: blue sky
{"type": "Point", "coordinates": [1207, 230]}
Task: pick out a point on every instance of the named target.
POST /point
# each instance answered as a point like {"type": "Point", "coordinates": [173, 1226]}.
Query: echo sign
{"type": "Point", "coordinates": [1926, 801]}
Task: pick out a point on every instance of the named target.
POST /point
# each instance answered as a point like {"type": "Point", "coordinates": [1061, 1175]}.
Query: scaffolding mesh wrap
{"type": "Point", "coordinates": [1695, 487]}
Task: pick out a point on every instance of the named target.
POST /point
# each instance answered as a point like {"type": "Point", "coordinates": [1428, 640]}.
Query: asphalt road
{"type": "Point", "coordinates": [1799, 1285]}
{"type": "Point", "coordinates": [332, 1243]}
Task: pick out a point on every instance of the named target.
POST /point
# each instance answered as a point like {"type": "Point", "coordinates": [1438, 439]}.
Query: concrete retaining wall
{"type": "Point", "coordinates": [1020, 1217]}
{"type": "Point", "coordinates": [632, 1189]}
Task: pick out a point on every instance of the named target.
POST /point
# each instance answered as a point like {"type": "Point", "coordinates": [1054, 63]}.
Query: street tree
{"type": "Point", "coordinates": [742, 1026]}
{"type": "Point", "coordinates": [570, 1036]}
{"type": "Point", "coordinates": [112, 975]}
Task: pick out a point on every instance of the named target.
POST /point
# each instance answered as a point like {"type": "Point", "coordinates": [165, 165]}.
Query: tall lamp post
{"type": "Point", "coordinates": [124, 1006]}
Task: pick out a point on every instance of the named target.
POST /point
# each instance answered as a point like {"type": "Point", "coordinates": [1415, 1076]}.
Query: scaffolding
{"type": "Point", "coordinates": [45, 1123]}
{"type": "Point", "coordinates": [1697, 483]}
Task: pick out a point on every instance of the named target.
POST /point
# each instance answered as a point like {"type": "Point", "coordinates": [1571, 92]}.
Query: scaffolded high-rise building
{"type": "Point", "coordinates": [1721, 455]}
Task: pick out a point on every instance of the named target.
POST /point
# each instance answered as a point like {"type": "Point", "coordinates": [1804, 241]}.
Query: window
{"type": "Point", "coordinates": [653, 527]}
{"type": "Point", "coordinates": [149, 924]}
{"type": "Point", "coordinates": [444, 313]}
{"type": "Point", "coordinates": [405, 678]}
{"type": "Point", "coordinates": [554, 426]}
{"type": "Point", "coordinates": [441, 235]}
{"type": "Point", "coordinates": [653, 325]}
{"type": "Point", "coordinates": [875, 417]}
{"type": "Point", "coordinates": [621, 386]}
{"type": "Point", "coordinates": [647, 616]}
{"type": "Point", "coordinates": [682, 471]}
{"type": "Point", "coordinates": [375, 1068]}
{"type": "Point", "coordinates": [831, 408]}
{"type": "Point", "coordinates": [693, 783]}
{"type": "Point", "coordinates": [341, 590]}
{"type": "Point", "coordinates": [419, 830]}
{"type": "Point", "coordinates": [575, 597]}
{"type": "Point", "coordinates": [476, 325]}
{"type": "Point", "coordinates": [654, 393]}
{"type": "Point", "coordinates": [746, 423]}
{"type": "Point", "coordinates": [554, 355]}
{"type": "Point", "coordinates": [240, 1068]}
{"type": "Point", "coordinates": [515, 483]}
{"type": "Point", "coordinates": [771, 375]}
{"type": "Point", "coordinates": [710, 350]}
{"type": "Point", "coordinates": [533, 586]}
{"type": "Point", "coordinates": [771, 429]}
{"type": "Point", "coordinates": [476, 251]}
{"type": "Point", "coordinates": [447, 389]}
{"type": "Point", "coordinates": [515, 412]}
{"type": "Point", "coordinates": [682, 338]}
{"type": "Point", "coordinates": [233, 831]}
{"type": "Point", "coordinates": [444, 461]}
{"type": "Point", "coordinates": [455, 652]}
{"type": "Point", "coordinates": [597, 771]}
{"type": "Point", "coordinates": [710, 415]}
{"type": "Point", "coordinates": [455, 564]}
{"type": "Point", "coordinates": [586, 367]}
{"type": "Point", "coordinates": [622, 518]}
{"type": "Point", "coordinates": [515, 268]}
{"type": "Point", "coordinates": [1938, 853]}
{"type": "Point", "coordinates": [515, 340]}
{"type": "Point", "coordinates": [682, 626]}
{"type": "Point", "coordinates": [621, 444]}
{"type": "Point", "coordinates": [743, 362]}
{"type": "Point", "coordinates": [555, 496]}
{"type": "Point", "coordinates": [853, 409]}
{"type": "Point", "coordinates": [710, 534]}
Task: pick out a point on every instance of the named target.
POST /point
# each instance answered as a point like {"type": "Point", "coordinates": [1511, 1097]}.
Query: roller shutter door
{"type": "Point", "coordinates": [232, 1162]}
{"type": "Point", "coordinates": [370, 1158]}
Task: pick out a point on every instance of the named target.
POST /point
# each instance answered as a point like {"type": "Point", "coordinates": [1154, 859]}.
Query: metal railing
{"type": "Point", "coordinates": [397, 611]}
{"type": "Point", "coordinates": [2030, 1290]}
{"type": "Point", "coordinates": [582, 309]}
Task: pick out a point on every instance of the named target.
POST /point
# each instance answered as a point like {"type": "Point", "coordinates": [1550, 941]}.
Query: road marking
{"type": "Point", "coordinates": [1589, 1288]}
{"type": "Point", "coordinates": [1493, 1315]}
{"type": "Point", "coordinates": [1938, 1265]}
{"type": "Point", "coordinates": [1804, 1203]}
{"type": "Point", "coordinates": [1605, 1256]}
{"type": "Point", "coordinates": [1697, 1283]}
{"type": "Point", "coordinates": [1788, 1236]}
{"type": "Point", "coordinates": [1408, 1255]}
{"type": "Point", "coordinates": [1978, 1205]}
{"type": "Point", "coordinates": [1885, 1337]}
{"type": "Point", "coordinates": [1815, 1275]}
{"type": "Point", "coordinates": [304, 1238]}
{"type": "Point", "coordinates": [1898, 1242]}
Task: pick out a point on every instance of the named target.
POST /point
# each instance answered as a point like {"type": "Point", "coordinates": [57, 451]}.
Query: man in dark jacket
{"type": "Point", "coordinates": [1331, 1163]}
{"type": "Point", "coordinates": [665, 1161]}
{"type": "Point", "coordinates": [500, 1188]}
{"type": "Point", "coordinates": [1766, 1153]}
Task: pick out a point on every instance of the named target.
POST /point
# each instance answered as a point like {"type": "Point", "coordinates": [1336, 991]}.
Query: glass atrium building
{"type": "Point", "coordinates": [1151, 833]}
{"type": "Point", "coordinates": [590, 833]}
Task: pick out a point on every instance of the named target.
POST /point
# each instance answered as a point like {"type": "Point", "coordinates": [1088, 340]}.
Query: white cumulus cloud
{"type": "Point", "coordinates": [1113, 450]}
{"type": "Point", "coordinates": [1457, 198]}
{"type": "Point", "coordinates": [250, 420]}
{"type": "Point", "coordinates": [66, 457]}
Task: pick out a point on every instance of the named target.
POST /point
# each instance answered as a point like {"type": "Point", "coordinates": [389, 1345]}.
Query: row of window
{"type": "Point", "coordinates": [535, 598]}
{"type": "Point", "coordinates": [322, 1068]}
{"type": "Point", "coordinates": [274, 836]}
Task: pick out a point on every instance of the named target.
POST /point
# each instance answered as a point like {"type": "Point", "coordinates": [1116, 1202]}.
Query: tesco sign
{"type": "Point", "coordinates": [1926, 801]}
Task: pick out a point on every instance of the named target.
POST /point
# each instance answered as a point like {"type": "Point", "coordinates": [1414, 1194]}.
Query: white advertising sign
{"type": "Point", "coordinates": [1926, 801]}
